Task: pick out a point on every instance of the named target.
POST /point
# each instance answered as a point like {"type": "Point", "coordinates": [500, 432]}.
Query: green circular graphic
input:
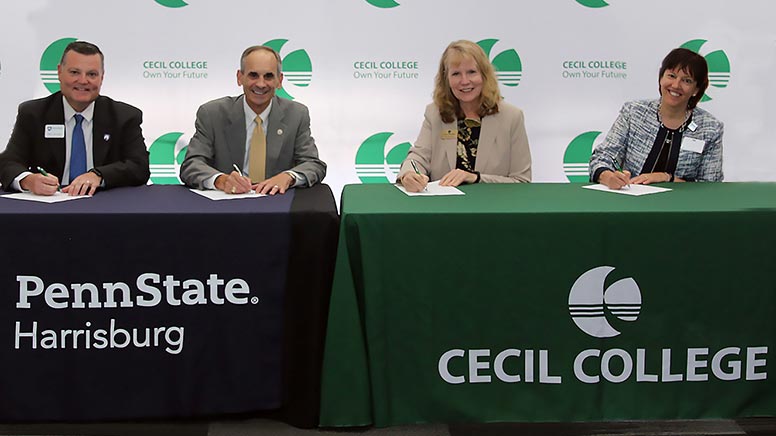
{"type": "Point", "coordinates": [49, 61]}
{"type": "Point", "coordinates": [297, 67]}
{"type": "Point", "coordinates": [372, 160]}
{"type": "Point", "coordinates": [509, 67]}
{"type": "Point", "coordinates": [172, 3]}
{"type": "Point", "coordinates": [718, 62]}
{"type": "Point", "coordinates": [162, 159]}
{"type": "Point", "coordinates": [577, 157]}
{"type": "Point", "coordinates": [383, 4]}
{"type": "Point", "coordinates": [593, 3]}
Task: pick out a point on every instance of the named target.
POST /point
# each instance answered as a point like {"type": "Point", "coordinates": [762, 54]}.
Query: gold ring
{"type": "Point", "coordinates": [277, 187]}
{"type": "Point", "coordinates": [234, 189]}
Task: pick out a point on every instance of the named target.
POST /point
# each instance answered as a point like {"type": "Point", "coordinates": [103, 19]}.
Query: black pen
{"type": "Point", "coordinates": [45, 174]}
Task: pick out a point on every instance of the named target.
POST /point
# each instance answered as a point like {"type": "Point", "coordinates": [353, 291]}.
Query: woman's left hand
{"type": "Point", "coordinates": [649, 178]}
{"type": "Point", "coordinates": [457, 177]}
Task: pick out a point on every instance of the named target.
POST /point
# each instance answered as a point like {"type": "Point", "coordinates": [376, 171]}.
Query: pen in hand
{"type": "Point", "coordinates": [619, 169]}
{"type": "Point", "coordinates": [45, 174]}
{"type": "Point", "coordinates": [417, 171]}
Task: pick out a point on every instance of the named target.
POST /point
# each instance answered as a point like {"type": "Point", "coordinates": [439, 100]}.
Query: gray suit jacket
{"type": "Point", "coordinates": [219, 141]}
{"type": "Point", "coordinates": [503, 155]}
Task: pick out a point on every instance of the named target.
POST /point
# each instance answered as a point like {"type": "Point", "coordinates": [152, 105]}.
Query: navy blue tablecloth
{"type": "Point", "coordinates": [157, 302]}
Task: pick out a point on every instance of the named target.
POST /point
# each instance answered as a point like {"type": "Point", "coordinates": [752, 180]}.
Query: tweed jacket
{"type": "Point", "coordinates": [632, 136]}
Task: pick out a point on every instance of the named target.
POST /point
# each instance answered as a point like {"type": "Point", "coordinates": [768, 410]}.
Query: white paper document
{"type": "Point", "coordinates": [56, 198]}
{"type": "Point", "coordinates": [432, 189]}
{"type": "Point", "coordinates": [215, 194]}
{"type": "Point", "coordinates": [629, 190]}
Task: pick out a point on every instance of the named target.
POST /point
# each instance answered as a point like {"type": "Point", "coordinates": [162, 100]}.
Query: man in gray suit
{"type": "Point", "coordinates": [255, 141]}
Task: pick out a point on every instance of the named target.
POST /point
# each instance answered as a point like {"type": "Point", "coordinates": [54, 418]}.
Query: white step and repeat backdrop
{"type": "Point", "coordinates": [365, 68]}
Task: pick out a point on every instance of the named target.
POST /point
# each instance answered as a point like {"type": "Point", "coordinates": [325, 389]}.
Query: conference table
{"type": "Point", "coordinates": [156, 302]}
{"type": "Point", "coordinates": [552, 302]}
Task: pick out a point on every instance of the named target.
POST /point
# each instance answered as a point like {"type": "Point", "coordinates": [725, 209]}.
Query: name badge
{"type": "Point", "coordinates": [54, 131]}
{"type": "Point", "coordinates": [450, 134]}
{"type": "Point", "coordinates": [692, 144]}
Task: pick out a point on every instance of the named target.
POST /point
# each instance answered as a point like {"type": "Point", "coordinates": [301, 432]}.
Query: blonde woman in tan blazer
{"type": "Point", "coordinates": [469, 134]}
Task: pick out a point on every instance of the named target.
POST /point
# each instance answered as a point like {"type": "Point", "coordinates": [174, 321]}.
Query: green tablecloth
{"type": "Point", "coordinates": [451, 309]}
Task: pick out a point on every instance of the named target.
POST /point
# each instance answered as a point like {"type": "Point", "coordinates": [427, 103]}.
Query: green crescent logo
{"type": "Point", "coordinates": [49, 61]}
{"type": "Point", "coordinates": [163, 161]}
{"type": "Point", "coordinates": [577, 157]}
{"type": "Point", "coordinates": [172, 3]}
{"type": "Point", "coordinates": [719, 65]}
{"type": "Point", "coordinates": [383, 4]}
{"type": "Point", "coordinates": [297, 67]}
{"type": "Point", "coordinates": [509, 68]}
{"type": "Point", "coordinates": [373, 164]}
{"type": "Point", "coordinates": [593, 3]}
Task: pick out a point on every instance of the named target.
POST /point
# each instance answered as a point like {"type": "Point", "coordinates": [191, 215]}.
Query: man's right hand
{"type": "Point", "coordinates": [39, 184]}
{"type": "Point", "coordinates": [233, 183]}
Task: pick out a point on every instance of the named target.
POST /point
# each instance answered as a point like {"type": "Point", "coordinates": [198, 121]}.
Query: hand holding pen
{"type": "Point", "coordinates": [41, 183]}
{"type": "Point", "coordinates": [414, 182]}
{"type": "Point", "coordinates": [234, 183]}
{"type": "Point", "coordinates": [617, 179]}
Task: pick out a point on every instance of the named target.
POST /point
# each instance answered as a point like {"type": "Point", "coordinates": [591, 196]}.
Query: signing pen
{"type": "Point", "coordinates": [417, 171]}
{"type": "Point", "coordinates": [45, 174]}
{"type": "Point", "coordinates": [619, 168]}
{"type": "Point", "coordinates": [236, 168]}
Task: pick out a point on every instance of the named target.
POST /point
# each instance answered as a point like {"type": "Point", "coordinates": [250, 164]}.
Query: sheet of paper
{"type": "Point", "coordinates": [56, 198]}
{"type": "Point", "coordinates": [432, 189]}
{"type": "Point", "coordinates": [215, 194]}
{"type": "Point", "coordinates": [629, 190]}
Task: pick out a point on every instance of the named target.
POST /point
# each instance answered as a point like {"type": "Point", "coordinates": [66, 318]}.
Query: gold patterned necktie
{"type": "Point", "coordinates": [257, 155]}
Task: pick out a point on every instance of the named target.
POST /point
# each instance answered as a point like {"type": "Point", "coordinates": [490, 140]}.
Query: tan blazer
{"type": "Point", "coordinates": [503, 155]}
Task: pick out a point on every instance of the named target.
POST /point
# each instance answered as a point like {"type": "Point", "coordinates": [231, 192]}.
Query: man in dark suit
{"type": "Point", "coordinates": [75, 138]}
{"type": "Point", "coordinates": [255, 141]}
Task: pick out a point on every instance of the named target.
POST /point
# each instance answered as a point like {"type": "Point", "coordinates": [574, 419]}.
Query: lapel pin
{"type": "Point", "coordinates": [280, 131]}
{"type": "Point", "coordinates": [106, 137]}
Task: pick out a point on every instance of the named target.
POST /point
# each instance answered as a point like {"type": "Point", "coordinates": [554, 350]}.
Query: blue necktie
{"type": "Point", "coordinates": [78, 151]}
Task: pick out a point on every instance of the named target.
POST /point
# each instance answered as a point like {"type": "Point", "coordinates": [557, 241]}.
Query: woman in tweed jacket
{"type": "Point", "coordinates": [665, 140]}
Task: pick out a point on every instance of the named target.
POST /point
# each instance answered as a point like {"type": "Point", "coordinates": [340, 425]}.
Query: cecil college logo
{"type": "Point", "coordinates": [577, 157]}
{"type": "Point", "coordinates": [172, 3]}
{"type": "Point", "coordinates": [593, 3]}
{"type": "Point", "coordinates": [719, 65]}
{"type": "Point", "coordinates": [297, 67]}
{"type": "Point", "coordinates": [383, 4]}
{"type": "Point", "coordinates": [373, 164]}
{"type": "Point", "coordinates": [588, 302]}
{"type": "Point", "coordinates": [509, 68]}
{"type": "Point", "coordinates": [49, 61]}
{"type": "Point", "coordinates": [164, 161]}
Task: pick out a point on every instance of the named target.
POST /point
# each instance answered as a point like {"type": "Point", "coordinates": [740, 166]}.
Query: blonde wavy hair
{"type": "Point", "coordinates": [449, 106]}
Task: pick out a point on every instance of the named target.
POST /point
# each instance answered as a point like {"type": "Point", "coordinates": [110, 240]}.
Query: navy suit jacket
{"type": "Point", "coordinates": [118, 147]}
